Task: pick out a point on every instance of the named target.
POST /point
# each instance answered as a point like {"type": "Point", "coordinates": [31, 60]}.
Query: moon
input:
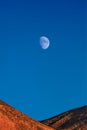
{"type": "Point", "coordinates": [44, 42]}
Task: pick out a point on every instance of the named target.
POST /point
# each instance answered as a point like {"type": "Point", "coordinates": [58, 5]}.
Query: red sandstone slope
{"type": "Point", "coordinates": [12, 119]}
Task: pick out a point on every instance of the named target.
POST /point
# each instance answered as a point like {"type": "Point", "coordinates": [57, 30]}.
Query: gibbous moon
{"type": "Point", "coordinates": [44, 42]}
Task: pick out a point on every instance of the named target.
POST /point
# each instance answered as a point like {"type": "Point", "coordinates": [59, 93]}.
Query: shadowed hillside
{"type": "Point", "coordinates": [75, 119]}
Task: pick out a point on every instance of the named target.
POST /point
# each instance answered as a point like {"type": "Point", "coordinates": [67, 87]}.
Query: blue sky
{"type": "Point", "coordinates": [43, 83]}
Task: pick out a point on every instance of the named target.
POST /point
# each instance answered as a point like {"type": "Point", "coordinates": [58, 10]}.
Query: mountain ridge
{"type": "Point", "coordinates": [70, 120]}
{"type": "Point", "coordinates": [12, 119]}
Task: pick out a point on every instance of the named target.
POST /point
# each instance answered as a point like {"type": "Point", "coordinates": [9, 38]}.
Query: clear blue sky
{"type": "Point", "coordinates": [43, 83]}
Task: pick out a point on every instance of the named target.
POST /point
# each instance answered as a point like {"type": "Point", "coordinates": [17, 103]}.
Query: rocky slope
{"type": "Point", "coordinates": [12, 119]}
{"type": "Point", "coordinates": [75, 119]}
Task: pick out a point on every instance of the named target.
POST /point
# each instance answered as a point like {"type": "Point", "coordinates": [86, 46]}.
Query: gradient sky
{"type": "Point", "coordinates": [43, 83]}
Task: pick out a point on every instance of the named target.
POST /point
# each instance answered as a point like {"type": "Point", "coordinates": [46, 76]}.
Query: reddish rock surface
{"type": "Point", "coordinates": [12, 119]}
